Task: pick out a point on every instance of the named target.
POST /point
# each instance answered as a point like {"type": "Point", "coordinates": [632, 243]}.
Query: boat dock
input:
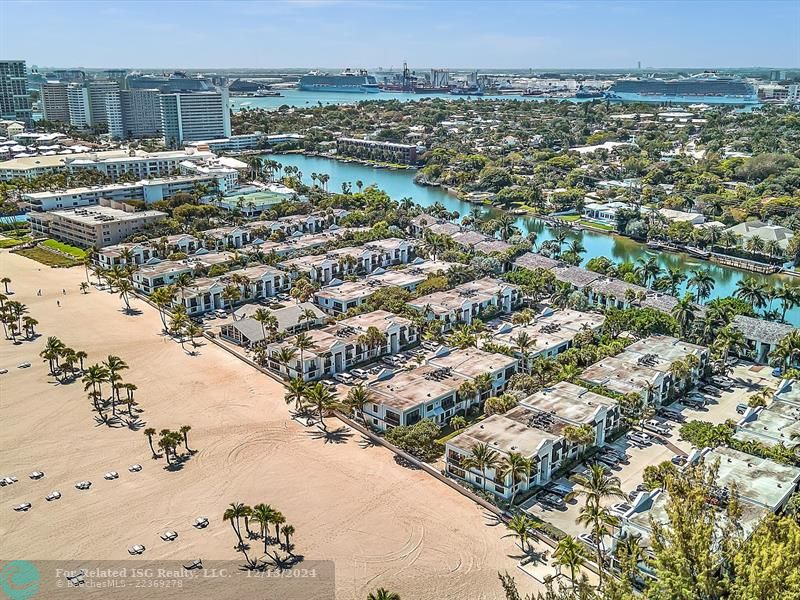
{"type": "Point", "coordinates": [743, 263]}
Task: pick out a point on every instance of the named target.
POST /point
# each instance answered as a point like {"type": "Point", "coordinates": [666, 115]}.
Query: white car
{"type": "Point", "coordinates": [344, 378]}
{"type": "Point", "coordinates": [221, 314]}
{"type": "Point", "coordinates": [54, 495]}
{"type": "Point", "coordinates": [428, 345]}
{"type": "Point", "coordinates": [640, 438]}
{"type": "Point", "coordinates": [331, 385]}
{"type": "Point", "coordinates": [360, 373]}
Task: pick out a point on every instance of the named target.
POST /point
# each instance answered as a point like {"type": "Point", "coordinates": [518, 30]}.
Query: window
{"type": "Point", "coordinates": [375, 408]}
{"type": "Point", "coordinates": [499, 489]}
{"type": "Point", "coordinates": [429, 408]}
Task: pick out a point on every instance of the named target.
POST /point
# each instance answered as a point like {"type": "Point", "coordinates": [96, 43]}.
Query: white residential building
{"type": "Point", "coordinates": [196, 116]}
{"type": "Point", "coordinates": [80, 111]}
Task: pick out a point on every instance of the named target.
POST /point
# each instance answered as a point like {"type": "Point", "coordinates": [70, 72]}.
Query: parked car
{"type": "Point", "coordinates": [640, 438]}
{"type": "Point", "coordinates": [711, 389]}
{"type": "Point", "coordinates": [360, 373]}
{"type": "Point", "coordinates": [671, 414]}
{"type": "Point", "coordinates": [331, 385]}
{"type": "Point", "coordinates": [742, 407]}
{"type": "Point", "coordinates": [221, 314]}
{"type": "Point", "coordinates": [393, 361]}
{"type": "Point", "coordinates": [696, 403]}
{"type": "Point", "coordinates": [552, 499]}
{"type": "Point", "coordinates": [344, 378]}
{"type": "Point", "coordinates": [732, 361]}
{"type": "Point", "coordinates": [722, 382]}
{"type": "Point", "coordinates": [656, 426]}
{"type": "Point", "coordinates": [376, 369]}
{"type": "Point", "coordinates": [634, 493]}
{"type": "Point", "coordinates": [211, 317]}
{"type": "Point", "coordinates": [678, 460]}
{"type": "Point", "coordinates": [283, 297]}
{"type": "Point", "coordinates": [777, 372]}
{"type": "Point", "coordinates": [429, 345]}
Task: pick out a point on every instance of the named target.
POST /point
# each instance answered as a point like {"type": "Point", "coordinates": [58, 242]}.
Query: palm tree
{"type": "Point", "coordinates": [728, 340]}
{"type": "Point", "coordinates": [676, 277]}
{"type": "Point", "coordinates": [321, 398]}
{"type": "Point", "coordinates": [751, 291]}
{"type": "Point", "coordinates": [296, 390]}
{"type": "Point", "coordinates": [519, 468]}
{"type": "Point", "coordinates": [84, 287]}
{"type": "Point", "coordinates": [481, 457]}
{"type": "Point", "coordinates": [231, 294]}
{"type": "Point", "coordinates": [114, 364]}
{"type": "Point", "coordinates": [266, 319]}
{"type": "Point", "coordinates": [383, 594]}
{"type": "Point", "coordinates": [236, 511]}
{"type": "Point", "coordinates": [5, 281]}
{"type": "Point", "coordinates": [520, 526]}
{"type": "Point", "coordinates": [262, 515]}
{"type": "Point", "coordinates": [357, 398]}
{"type": "Point", "coordinates": [51, 352]}
{"type": "Point", "coordinates": [284, 356]}
{"type": "Point", "coordinates": [789, 297]}
{"type": "Point", "coordinates": [278, 519]}
{"type": "Point", "coordinates": [570, 553]}
{"type": "Point", "coordinates": [125, 287]}
{"type": "Point", "coordinates": [81, 356]}
{"type": "Point", "coordinates": [303, 342]}
{"type": "Point", "coordinates": [597, 485]}
{"type": "Point", "coordinates": [581, 436]}
{"type": "Point", "coordinates": [163, 298]}
{"type": "Point", "coordinates": [787, 350]}
{"type": "Point", "coordinates": [288, 532]}
{"type": "Point", "coordinates": [702, 283]}
{"type": "Point", "coordinates": [94, 378]}
{"type": "Point", "coordinates": [523, 342]}
{"type": "Point", "coordinates": [150, 432]}
{"type": "Point", "coordinates": [648, 270]}
{"type": "Point", "coordinates": [601, 522]}
{"type": "Point", "coordinates": [184, 430]}
{"type": "Point", "coordinates": [308, 315]}
{"type": "Point", "coordinates": [683, 312]}
{"type": "Point", "coordinates": [629, 553]}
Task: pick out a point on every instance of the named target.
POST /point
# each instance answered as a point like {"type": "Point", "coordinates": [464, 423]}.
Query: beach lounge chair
{"type": "Point", "coordinates": [201, 522]}
{"type": "Point", "coordinates": [36, 475]}
{"type": "Point", "coordinates": [83, 485]}
{"type": "Point", "coordinates": [111, 475]}
{"type": "Point", "coordinates": [54, 495]}
{"type": "Point", "coordinates": [169, 536]}
{"type": "Point", "coordinates": [22, 507]}
{"type": "Point", "coordinates": [197, 563]}
{"type": "Point", "coordinates": [135, 550]}
{"type": "Point", "coordinates": [135, 468]}
{"type": "Point", "coordinates": [76, 577]}
{"type": "Point", "coordinates": [8, 480]}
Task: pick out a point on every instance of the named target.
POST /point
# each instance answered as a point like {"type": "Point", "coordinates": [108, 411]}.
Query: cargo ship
{"type": "Point", "coordinates": [703, 84]}
{"type": "Point", "coordinates": [474, 90]}
{"type": "Point", "coordinates": [348, 81]}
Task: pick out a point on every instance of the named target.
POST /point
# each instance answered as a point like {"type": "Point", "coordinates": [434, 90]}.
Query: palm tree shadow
{"type": "Point", "coordinates": [333, 436]}
{"type": "Point", "coordinates": [130, 312]}
{"type": "Point", "coordinates": [491, 519]}
{"type": "Point", "coordinates": [405, 463]}
{"type": "Point", "coordinates": [135, 424]}
{"type": "Point", "coordinates": [366, 442]}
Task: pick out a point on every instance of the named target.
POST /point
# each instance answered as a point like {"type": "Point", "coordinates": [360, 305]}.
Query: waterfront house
{"type": "Point", "coordinates": [203, 295]}
{"type": "Point", "coordinates": [767, 233]}
{"type": "Point", "coordinates": [246, 331]}
{"type": "Point", "coordinates": [263, 281]}
{"type": "Point", "coordinates": [761, 336]}
{"type": "Point", "coordinates": [149, 278]}
{"type": "Point", "coordinates": [113, 256]}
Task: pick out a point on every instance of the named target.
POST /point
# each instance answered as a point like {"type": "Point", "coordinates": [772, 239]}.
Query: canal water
{"type": "Point", "coordinates": [400, 184]}
{"type": "Point", "coordinates": [304, 99]}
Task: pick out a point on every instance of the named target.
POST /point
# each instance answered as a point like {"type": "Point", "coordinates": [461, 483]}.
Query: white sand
{"type": "Point", "coordinates": [382, 524]}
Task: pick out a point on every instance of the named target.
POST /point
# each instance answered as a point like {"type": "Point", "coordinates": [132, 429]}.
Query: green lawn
{"type": "Point", "coordinates": [596, 225]}
{"type": "Point", "coordinates": [570, 218]}
{"type": "Point", "coordinates": [46, 257]}
{"type": "Point", "coordinates": [65, 248]}
{"type": "Point", "coordinates": [11, 242]}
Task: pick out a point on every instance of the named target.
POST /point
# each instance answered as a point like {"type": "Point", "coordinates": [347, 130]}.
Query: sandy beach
{"type": "Point", "coordinates": [383, 524]}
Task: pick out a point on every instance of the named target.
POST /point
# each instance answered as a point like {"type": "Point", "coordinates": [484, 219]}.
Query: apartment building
{"type": "Point", "coordinates": [149, 190]}
{"type": "Point", "coordinates": [97, 227]}
{"type": "Point", "coordinates": [195, 116]}
{"type": "Point", "coordinates": [552, 332]}
{"type": "Point", "coordinates": [536, 428]}
{"type": "Point", "coordinates": [778, 423]}
{"type": "Point", "coordinates": [54, 101]}
{"type": "Point", "coordinates": [646, 368]}
{"type": "Point", "coordinates": [79, 106]}
{"type": "Point", "coordinates": [468, 301]}
{"type": "Point", "coordinates": [343, 346]}
{"type": "Point", "coordinates": [141, 114]}
{"type": "Point", "coordinates": [14, 102]}
{"type": "Point", "coordinates": [378, 151]}
{"type": "Point", "coordinates": [761, 337]}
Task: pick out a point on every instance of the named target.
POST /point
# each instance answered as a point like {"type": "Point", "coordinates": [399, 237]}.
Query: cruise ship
{"type": "Point", "coordinates": [348, 81]}
{"type": "Point", "coordinates": [703, 84]}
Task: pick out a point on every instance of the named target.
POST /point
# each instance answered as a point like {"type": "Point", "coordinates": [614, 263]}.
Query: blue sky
{"type": "Point", "coordinates": [372, 33]}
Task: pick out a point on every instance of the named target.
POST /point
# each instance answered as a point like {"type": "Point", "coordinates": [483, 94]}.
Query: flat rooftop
{"type": "Point", "coordinates": [473, 362]}
{"type": "Point", "coordinates": [568, 402]}
{"type": "Point", "coordinates": [504, 435]}
{"type": "Point", "coordinates": [380, 319]}
{"type": "Point", "coordinates": [104, 214]}
{"type": "Point", "coordinates": [407, 389]}
{"type": "Point", "coordinates": [620, 375]}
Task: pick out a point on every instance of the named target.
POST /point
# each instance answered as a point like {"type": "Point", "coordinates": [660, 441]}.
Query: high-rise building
{"type": "Point", "coordinates": [141, 113]}
{"type": "Point", "coordinates": [100, 92]}
{"type": "Point", "coordinates": [195, 116]}
{"type": "Point", "coordinates": [114, 115]}
{"type": "Point", "coordinates": [55, 105]}
{"type": "Point", "coordinates": [117, 75]}
{"type": "Point", "coordinates": [80, 110]}
{"type": "Point", "coordinates": [14, 102]}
